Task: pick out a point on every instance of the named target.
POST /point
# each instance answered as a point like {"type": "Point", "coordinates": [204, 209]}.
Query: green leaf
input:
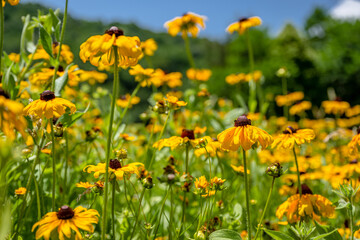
{"type": "Point", "coordinates": [61, 82]}
{"type": "Point", "coordinates": [324, 235]}
{"type": "Point", "coordinates": [225, 234]}
{"type": "Point", "coordinates": [277, 235]}
{"type": "Point", "coordinates": [68, 119]}
{"type": "Point", "coordinates": [326, 229]}
{"type": "Point", "coordinates": [9, 81]}
{"type": "Point", "coordinates": [46, 41]}
{"type": "Point", "coordinates": [342, 204]}
{"type": "Point", "coordinates": [238, 210]}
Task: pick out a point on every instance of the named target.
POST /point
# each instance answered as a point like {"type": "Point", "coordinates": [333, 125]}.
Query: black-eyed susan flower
{"type": "Point", "coordinates": [149, 47]}
{"type": "Point", "coordinates": [187, 136]}
{"type": "Point", "coordinates": [123, 101]}
{"type": "Point", "coordinates": [255, 76]}
{"type": "Point", "coordinates": [174, 102]}
{"type": "Point", "coordinates": [354, 144]}
{"type": "Point", "coordinates": [243, 24]}
{"type": "Point", "coordinates": [201, 184]}
{"type": "Point", "coordinates": [336, 107]}
{"type": "Point", "coordinates": [201, 75]}
{"type": "Point", "coordinates": [65, 56]}
{"type": "Point", "coordinates": [290, 136]}
{"type": "Point", "coordinates": [11, 2]}
{"type": "Point", "coordinates": [173, 79]}
{"type": "Point", "coordinates": [289, 99]}
{"type": "Point", "coordinates": [115, 168]}
{"type": "Point", "coordinates": [189, 23]}
{"type": "Point", "coordinates": [244, 135]}
{"type": "Point", "coordinates": [99, 49]}
{"type": "Point", "coordinates": [15, 57]}
{"type": "Point", "coordinates": [211, 147]}
{"type": "Point", "coordinates": [239, 169]}
{"type": "Point", "coordinates": [309, 206]}
{"type": "Point", "coordinates": [20, 191]}
{"type": "Point", "coordinates": [300, 107]}
{"type": "Point", "coordinates": [65, 221]}
{"type": "Point", "coordinates": [93, 77]}
{"type": "Point", "coordinates": [48, 106]}
{"type": "Point", "coordinates": [353, 111]}
{"type": "Point", "coordinates": [233, 79]}
{"type": "Point", "coordinates": [142, 75]}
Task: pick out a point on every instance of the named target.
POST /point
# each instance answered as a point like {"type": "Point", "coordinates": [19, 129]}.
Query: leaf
{"type": "Point", "coordinates": [321, 229]}
{"type": "Point", "coordinates": [46, 41]}
{"type": "Point", "coordinates": [238, 210]}
{"type": "Point", "coordinates": [342, 204]}
{"type": "Point", "coordinates": [9, 81]}
{"type": "Point", "coordinates": [324, 235]}
{"type": "Point", "coordinates": [61, 82]}
{"type": "Point", "coordinates": [277, 235]}
{"type": "Point", "coordinates": [68, 119]}
{"type": "Point", "coordinates": [225, 234]}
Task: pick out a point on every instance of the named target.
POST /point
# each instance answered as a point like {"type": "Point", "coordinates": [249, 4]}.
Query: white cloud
{"type": "Point", "coordinates": [346, 9]}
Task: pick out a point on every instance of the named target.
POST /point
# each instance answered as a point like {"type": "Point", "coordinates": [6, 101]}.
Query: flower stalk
{"type": "Point", "coordinates": [297, 172]}
{"type": "Point", "coordinates": [247, 192]}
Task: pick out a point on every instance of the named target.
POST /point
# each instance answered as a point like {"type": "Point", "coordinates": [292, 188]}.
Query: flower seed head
{"type": "Point", "coordinates": [47, 95]}
{"type": "Point", "coordinates": [3, 93]}
{"type": "Point", "coordinates": [243, 19]}
{"type": "Point", "coordinates": [65, 212]}
{"type": "Point", "coordinates": [188, 133]}
{"type": "Point", "coordinates": [114, 164]}
{"type": "Point", "coordinates": [305, 189]}
{"type": "Point", "coordinates": [289, 130]}
{"type": "Point", "coordinates": [114, 30]}
{"type": "Point", "coordinates": [275, 170]}
{"type": "Point", "coordinates": [242, 121]}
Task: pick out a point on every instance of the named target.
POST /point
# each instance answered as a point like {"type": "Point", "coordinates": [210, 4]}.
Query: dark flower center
{"type": "Point", "coordinates": [355, 161]}
{"type": "Point", "coordinates": [305, 189]}
{"type": "Point", "coordinates": [55, 44]}
{"type": "Point", "coordinates": [115, 164]}
{"type": "Point", "coordinates": [242, 121]}
{"type": "Point", "coordinates": [123, 97]}
{"type": "Point", "coordinates": [188, 133]}
{"type": "Point", "coordinates": [114, 30]}
{"type": "Point", "coordinates": [243, 19]}
{"type": "Point", "coordinates": [358, 130]}
{"type": "Point", "coordinates": [289, 130]}
{"type": "Point", "coordinates": [47, 95]}
{"type": "Point", "coordinates": [65, 212]}
{"type": "Point", "coordinates": [4, 94]}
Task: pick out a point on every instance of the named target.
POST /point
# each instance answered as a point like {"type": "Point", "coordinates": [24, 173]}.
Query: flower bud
{"type": "Point", "coordinates": [147, 182]}
{"type": "Point", "coordinates": [121, 154]}
{"type": "Point", "coordinates": [275, 170]}
{"type": "Point", "coordinates": [200, 235]}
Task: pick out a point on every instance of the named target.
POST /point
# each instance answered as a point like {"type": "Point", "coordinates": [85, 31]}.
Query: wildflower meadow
{"type": "Point", "coordinates": [103, 141]}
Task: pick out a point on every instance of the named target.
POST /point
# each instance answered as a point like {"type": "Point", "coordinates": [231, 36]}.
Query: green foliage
{"type": "Point", "coordinates": [225, 234]}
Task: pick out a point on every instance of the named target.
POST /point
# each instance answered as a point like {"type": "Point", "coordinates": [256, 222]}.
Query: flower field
{"type": "Point", "coordinates": [78, 161]}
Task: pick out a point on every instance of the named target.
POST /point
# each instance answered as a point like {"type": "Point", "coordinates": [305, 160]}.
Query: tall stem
{"type": "Point", "coordinates": [350, 210]}
{"type": "Point", "coordinates": [66, 158]}
{"type": "Point", "coordinates": [298, 173]}
{"type": "Point", "coordinates": [247, 192]}
{"type": "Point", "coordinates": [158, 222]}
{"type": "Point", "coordinates": [108, 143]}
{"type": "Point", "coordinates": [284, 92]}
{"type": "Point", "coordinates": [171, 212]}
{"type": "Point", "coordinates": [113, 208]}
{"type": "Point", "coordinates": [53, 162]}
{"type": "Point", "coordinates": [60, 45]}
{"type": "Point", "coordinates": [252, 84]}
{"type": "Point", "coordinates": [184, 195]}
{"type": "Point", "coordinates": [266, 205]}
{"type": "Point", "coordinates": [138, 213]}
{"type": "Point", "coordinates": [1, 33]}
{"type": "Point", "coordinates": [188, 51]}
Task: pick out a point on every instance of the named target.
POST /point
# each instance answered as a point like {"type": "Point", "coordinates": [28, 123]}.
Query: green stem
{"type": "Point", "coordinates": [184, 195]}
{"type": "Point", "coordinates": [298, 173]}
{"type": "Point", "coordinates": [200, 215]}
{"type": "Point", "coordinates": [28, 64]}
{"type": "Point", "coordinates": [158, 222]}
{"type": "Point", "coordinates": [188, 51]}
{"type": "Point", "coordinates": [247, 191]}
{"type": "Point", "coordinates": [1, 33]}
{"type": "Point", "coordinates": [138, 213]}
{"type": "Point", "coordinates": [284, 92]}
{"type": "Point", "coordinates": [31, 176]}
{"type": "Point", "coordinates": [351, 219]}
{"type": "Point", "coordinates": [38, 199]}
{"type": "Point", "coordinates": [171, 212]}
{"type": "Point", "coordinates": [53, 162]}
{"type": "Point", "coordinates": [108, 143]}
{"type": "Point", "coordinates": [113, 208]}
{"type": "Point", "coordinates": [66, 159]}
{"type": "Point", "coordinates": [60, 45]}
{"type": "Point", "coordinates": [266, 205]}
{"type": "Point", "coordinates": [252, 84]}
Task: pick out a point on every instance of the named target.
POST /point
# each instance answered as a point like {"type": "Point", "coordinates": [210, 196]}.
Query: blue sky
{"type": "Point", "coordinates": [152, 14]}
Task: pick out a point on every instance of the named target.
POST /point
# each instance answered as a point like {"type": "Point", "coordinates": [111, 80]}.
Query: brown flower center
{"type": "Point", "coordinates": [114, 30]}
{"type": "Point", "coordinates": [115, 164]}
{"type": "Point", "coordinates": [123, 97]}
{"type": "Point", "coordinates": [243, 19]}
{"type": "Point", "coordinates": [355, 161]}
{"type": "Point", "coordinates": [4, 94]}
{"type": "Point", "coordinates": [47, 95]}
{"type": "Point", "coordinates": [65, 212]}
{"type": "Point", "coordinates": [358, 130]}
{"type": "Point", "coordinates": [242, 121]}
{"type": "Point", "coordinates": [290, 130]}
{"type": "Point", "coordinates": [305, 189]}
{"type": "Point", "coordinates": [188, 133]}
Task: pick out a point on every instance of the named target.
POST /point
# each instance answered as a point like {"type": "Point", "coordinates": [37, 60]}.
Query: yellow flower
{"type": "Point", "coordinates": [174, 102]}
{"type": "Point", "coordinates": [127, 137]}
{"type": "Point", "coordinates": [11, 117]}
{"type": "Point", "coordinates": [233, 79]}
{"type": "Point", "coordinates": [85, 185]}
{"type": "Point", "coordinates": [354, 144]}
{"type": "Point", "coordinates": [48, 106]}
{"type": "Point", "coordinates": [20, 191]}
{"type": "Point", "coordinates": [142, 75]}
{"type": "Point", "coordinates": [244, 135]}
{"type": "Point", "coordinates": [335, 107]}
{"type": "Point", "coordinates": [300, 107]}
{"type": "Point", "coordinates": [123, 101]}
{"type": "Point", "coordinates": [309, 206]}
{"type": "Point", "coordinates": [189, 23]}
{"type": "Point", "coordinates": [66, 220]}
{"type": "Point", "coordinates": [98, 49]}
{"type": "Point", "coordinates": [239, 169]}
{"type": "Point", "coordinates": [12, 2]}
{"type": "Point", "coordinates": [199, 130]}
{"type": "Point", "coordinates": [93, 77]}
{"type": "Point", "coordinates": [289, 99]}
{"type": "Point", "coordinates": [15, 57]}
{"type": "Point", "coordinates": [243, 24]}
{"type": "Point", "coordinates": [65, 55]}
{"type": "Point", "coordinates": [291, 136]}
{"type": "Point", "coordinates": [201, 183]}
{"type": "Point", "coordinates": [217, 183]}
{"type": "Point", "coordinates": [149, 47]}
{"type": "Point", "coordinates": [201, 75]}
{"type": "Point", "coordinates": [255, 76]}
{"type": "Point", "coordinates": [208, 193]}
{"type": "Point", "coordinates": [174, 142]}
{"type": "Point", "coordinates": [115, 168]}
{"type": "Point", "coordinates": [355, 110]}
{"type": "Point", "coordinates": [41, 78]}
{"type": "Point", "coordinates": [203, 93]}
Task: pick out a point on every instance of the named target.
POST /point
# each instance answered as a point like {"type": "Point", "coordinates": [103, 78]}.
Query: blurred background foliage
{"type": "Point", "coordinates": [324, 54]}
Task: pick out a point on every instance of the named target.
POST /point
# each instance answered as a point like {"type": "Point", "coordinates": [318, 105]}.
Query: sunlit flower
{"type": "Point", "coordinates": [149, 47]}
{"type": "Point", "coordinates": [66, 220]}
{"type": "Point", "coordinates": [335, 107]}
{"type": "Point", "coordinates": [20, 191]}
{"type": "Point", "coordinates": [239, 169]}
{"type": "Point", "coordinates": [289, 99]}
{"type": "Point", "coordinates": [291, 136]}
{"type": "Point", "coordinates": [123, 101]}
{"type": "Point", "coordinates": [300, 107]}
{"type": "Point", "coordinates": [244, 135]}
{"type": "Point", "coordinates": [255, 76]}
{"type": "Point", "coordinates": [354, 144]}
{"type": "Point", "coordinates": [309, 206]}
{"type": "Point", "coordinates": [201, 75]}
{"type": "Point", "coordinates": [203, 93]}
{"type": "Point", "coordinates": [65, 56]}
{"type": "Point", "coordinates": [127, 137]}
{"type": "Point", "coordinates": [12, 2]}
{"type": "Point", "coordinates": [243, 24]}
{"type": "Point", "coordinates": [42, 78]}
{"type": "Point", "coordinates": [48, 106]}
{"type": "Point", "coordinates": [99, 49]}
{"type": "Point", "coordinates": [233, 79]}
{"type": "Point", "coordinates": [355, 110]}
{"type": "Point", "coordinates": [142, 75]}
{"type": "Point", "coordinates": [174, 142]}
{"type": "Point", "coordinates": [201, 183]}
{"type": "Point", "coordinates": [115, 168]}
{"type": "Point", "coordinates": [189, 23]}
{"type": "Point", "coordinates": [174, 102]}
{"type": "Point", "coordinates": [93, 77]}
{"type": "Point", "coordinates": [15, 57]}
{"type": "Point", "coordinates": [173, 79]}
{"type": "Point", "coordinates": [85, 185]}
